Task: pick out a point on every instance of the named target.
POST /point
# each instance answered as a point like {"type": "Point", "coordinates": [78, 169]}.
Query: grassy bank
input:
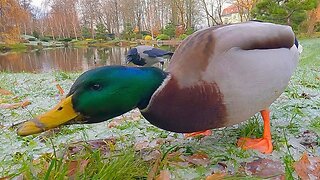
{"type": "Point", "coordinates": [13, 47]}
{"type": "Point", "coordinates": [37, 44]}
{"type": "Point", "coordinates": [311, 52]}
{"type": "Point", "coordinates": [97, 43]}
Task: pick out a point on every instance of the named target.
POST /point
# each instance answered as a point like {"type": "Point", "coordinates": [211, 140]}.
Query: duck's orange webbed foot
{"type": "Point", "coordinates": [199, 133]}
{"type": "Point", "coordinates": [263, 144]}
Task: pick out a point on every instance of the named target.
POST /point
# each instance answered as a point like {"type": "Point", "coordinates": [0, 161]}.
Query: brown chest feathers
{"type": "Point", "coordinates": [196, 108]}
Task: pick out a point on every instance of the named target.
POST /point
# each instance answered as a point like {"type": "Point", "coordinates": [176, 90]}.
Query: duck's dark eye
{"type": "Point", "coordinates": [96, 87]}
{"type": "Point", "coordinates": [60, 108]}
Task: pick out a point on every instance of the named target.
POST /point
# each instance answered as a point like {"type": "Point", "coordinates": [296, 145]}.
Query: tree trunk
{"type": "Point", "coordinates": [174, 13]}
{"type": "Point", "coordinates": [311, 22]}
{"type": "Point", "coordinates": [91, 28]}
{"type": "Point", "coordinates": [117, 17]}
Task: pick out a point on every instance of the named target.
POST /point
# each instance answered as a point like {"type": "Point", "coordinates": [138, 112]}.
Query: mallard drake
{"type": "Point", "coordinates": [147, 55]}
{"type": "Point", "coordinates": [217, 77]}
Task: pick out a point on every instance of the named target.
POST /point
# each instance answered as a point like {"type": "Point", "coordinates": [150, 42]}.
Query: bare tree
{"type": "Point", "coordinates": [211, 17]}
{"type": "Point", "coordinates": [313, 18]}
{"type": "Point", "coordinates": [64, 18]}
{"type": "Point", "coordinates": [245, 7]}
{"type": "Point", "coordinates": [12, 18]}
{"type": "Point", "coordinates": [89, 12]}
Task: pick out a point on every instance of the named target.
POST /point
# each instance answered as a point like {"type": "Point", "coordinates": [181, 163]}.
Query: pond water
{"type": "Point", "coordinates": [65, 59]}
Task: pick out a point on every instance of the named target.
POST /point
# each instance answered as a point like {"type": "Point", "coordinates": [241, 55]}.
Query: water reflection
{"type": "Point", "coordinates": [64, 59]}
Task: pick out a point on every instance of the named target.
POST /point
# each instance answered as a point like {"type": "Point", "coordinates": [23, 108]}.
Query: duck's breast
{"type": "Point", "coordinates": [186, 109]}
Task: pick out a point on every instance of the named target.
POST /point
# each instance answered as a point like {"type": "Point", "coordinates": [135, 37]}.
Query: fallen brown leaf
{"type": "Point", "coordinates": [77, 167]}
{"type": "Point", "coordinates": [19, 177]}
{"type": "Point", "coordinates": [152, 173]}
{"type": "Point", "coordinates": [25, 103]}
{"type": "Point", "coordinates": [175, 157]}
{"type": "Point", "coordinates": [141, 145]}
{"type": "Point", "coordinates": [308, 167]}
{"type": "Point", "coordinates": [216, 176]}
{"type": "Point", "coordinates": [115, 123]}
{"type": "Point", "coordinates": [164, 175]}
{"type": "Point", "coordinates": [5, 178]}
{"type": "Point", "coordinates": [153, 155]}
{"type": "Point", "coordinates": [198, 134]}
{"type": "Point", "coordinates": [264, 168]}
{"type": "Point", "coordinates": [5, 92]}
{"type": "Point", "coordinates": [102, 144]}
{"type": "Point", "coordinates": [22, 104]}
{"type": "Point", "coordinates": [198, 159]}
{"type": "Point", "coordinates": [61, 91]}
{"type": "Point", "coordinates": [43, 137]}
{"type": "Point", "coordinates": [10, 106]}
{"type": "Point", "coordinates": [221, 167]}
{"type": "Point", "coordinates": [308, 138]}
{"type": "Point", "coordinates": [135, 115]}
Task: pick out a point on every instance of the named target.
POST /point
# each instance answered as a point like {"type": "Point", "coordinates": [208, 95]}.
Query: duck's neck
{"type": "Point", "coordinates": [150, 80]}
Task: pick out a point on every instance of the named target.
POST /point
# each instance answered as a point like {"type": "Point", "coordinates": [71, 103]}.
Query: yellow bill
{"type": "Point", "coordinates": [60, 114]}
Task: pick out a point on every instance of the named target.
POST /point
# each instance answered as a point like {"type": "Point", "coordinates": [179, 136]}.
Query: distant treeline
{"type": "Point", "coordinates": [136, 19]}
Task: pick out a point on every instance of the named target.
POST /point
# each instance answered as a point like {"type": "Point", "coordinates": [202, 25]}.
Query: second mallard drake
{"type": "Point", "coordinates": [217, 77]}
{"type": "Point", "coordinates": [147, 56]}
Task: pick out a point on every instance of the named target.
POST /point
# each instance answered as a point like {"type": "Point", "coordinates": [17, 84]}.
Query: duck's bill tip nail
{"type": "Point", "coordinates": [62, 113]}
{"type": "Point", "coordinates": [28, 128]}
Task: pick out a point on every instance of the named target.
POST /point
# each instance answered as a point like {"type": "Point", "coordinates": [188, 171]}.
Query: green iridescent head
{"type": "Point", "coordinates": [98, 95]}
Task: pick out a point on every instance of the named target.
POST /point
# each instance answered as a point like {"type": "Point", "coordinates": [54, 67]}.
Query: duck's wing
{"type": "Point", "coordinates": [205, 48]}
{"type": "Point", "coordinates": [132, 51]}
{"type": "Point", "coordinates": [155, 52]}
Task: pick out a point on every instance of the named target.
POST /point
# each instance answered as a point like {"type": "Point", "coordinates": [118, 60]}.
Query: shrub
{"type": "Point", "coordinates": [127, 33]}
{"type": "Point", "coordinates": [85, 31]}
{"type": "Point", "coordinates": [139, 36]}
{"type": "Point", "coordinates": [92, 42]}
{"type": "Point", "coordinates": [32, 39]}
{"type": "Point", "coordinates": [35, 34]}
{"type": "Point", "coordinates": [163, 37]}
{"type": "Point", "coordinates": [45, 39]}
{"type": "Point", "coordinates": [189, 31]}
{"type": "Point", "coordinates": [101, 31]}
{"type": "Point", "coordinates": [111, 36]}
{"type": "Point", "coordinates": [148, 38]}
{"type": "Point", "coordinates": [144, 33]}
{"type": "Point", "coordinates": [183, 36]}
{"type": "Point", "coordinates": [169, 30]}
{"type": "Point", "coordinates": [65, 39]}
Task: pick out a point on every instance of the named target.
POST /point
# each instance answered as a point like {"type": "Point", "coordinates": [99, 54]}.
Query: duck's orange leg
{"type": "Point", "coordinates": [199, 133]}
{"type": "Point", "coordinates": [263, 144]}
